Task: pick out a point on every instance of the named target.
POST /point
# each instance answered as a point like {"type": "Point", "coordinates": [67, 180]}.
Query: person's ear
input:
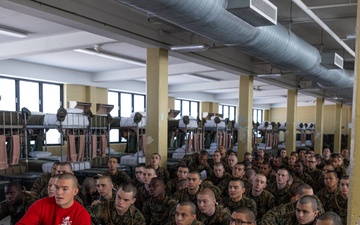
{"type": "Point", "coordinates": [133, 201]}
{"type": "Point", "coordinates": [316, 213]}
{"type": "Point", "coordinates": [76, 191]}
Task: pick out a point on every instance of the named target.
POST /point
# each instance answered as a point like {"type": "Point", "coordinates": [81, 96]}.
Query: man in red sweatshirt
{"type": "Point", "coordinates": [60, 209]}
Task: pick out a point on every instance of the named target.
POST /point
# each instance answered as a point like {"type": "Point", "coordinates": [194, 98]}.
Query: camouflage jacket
{"type": "Point", "coordinates": [264, 202]}
{"type": "Point", "coordinates": [326, 197]}
{"type": "Point", "coordinates": [137, 183]}
{"type": "Point", "coordinates": [278, 193]}
{"type": "Point", "coordinates": [306, 178]}
{"type": "Point", "coordinates": [170, 187]}
{"type": "Point", "coordinates": [101, 213]}
{"type": "Point", "coordinates": [221, 183]}
{"type": "Point", "coordinates": [220, 216]}
{"type": "Point", "coordinates": [141, 197]}
{"type": "Point", "coordinates": [339, 205]}
{"type": "Point", "coordinates": [132, 217]}
{"type": "Point", "coordinates": [162, 173]}
{"type": "Point", "coordinates": [16, 212]}
{"type": "Point", "coordinates": [118, 178]}
{"type": "Point", "coordinates": [192, 162]}
{"type": "Point", "coordinates": [40, 184]}
{"type": "Point", "coordinates": [183, 195]}
{"type": "Point", "coordinates": [318, 179]}
{"type": "Point", "coordinates": [285, 219]}
{"type": "Point", "coordinates": [159, 214]}
{"type": "Point", "coordinates": [244, 202]}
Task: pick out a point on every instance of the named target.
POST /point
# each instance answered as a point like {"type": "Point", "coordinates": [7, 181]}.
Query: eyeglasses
{"type": "Point", "coordinates": [238, 221]}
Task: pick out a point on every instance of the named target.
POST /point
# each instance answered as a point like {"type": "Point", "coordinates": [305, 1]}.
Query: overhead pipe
{"type": "Point", "coordinates": [274, 44]}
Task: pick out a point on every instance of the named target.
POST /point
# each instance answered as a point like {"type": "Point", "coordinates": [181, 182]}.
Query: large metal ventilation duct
{"type": "Point", "coordinates": [274, 44]}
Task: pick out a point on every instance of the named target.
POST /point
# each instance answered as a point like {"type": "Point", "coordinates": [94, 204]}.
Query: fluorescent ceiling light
{"type": "Point", "coordinates": [201, 77]}
{"type": "Point", "coordinates": [351, 36]}
{"type": "Point", "coordinates": [269, 75]}
{"type": "Point", "coordinates": [12, 33]}
{"type": "Point", "coordinates": [189, 48]}
{"type": "Point", "coordinates": [111, 56]}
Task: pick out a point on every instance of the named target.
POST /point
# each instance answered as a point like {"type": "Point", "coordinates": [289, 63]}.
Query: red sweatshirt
{"type": "Point", "coordinates": [46, 212]}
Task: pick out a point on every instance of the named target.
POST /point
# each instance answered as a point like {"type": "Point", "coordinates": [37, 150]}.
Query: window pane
{"type": "Point", "coordinates": [125, 107]}
{"type": "Point", "coordinates": [113, 99]}
{"type": "Point", "coordinates": [51, 98]}
{"type": "Point", "coordinates": [177, 107]}
{"type": "Point", "coordinates": [260, 112]}
{"type": "Point", "coordinates": [226, 112]}
{"type": "Point", "coordinates": [220, 109]}
{"type": "Point", "coordinates": [139, 102]}
{"type": "Point", "coordinates": [194, 109]}
{"type": "Point", "coordinates": [29, 95]}
{"type": "Point", "coordinates": [255, 115]}
{"type": "Point", "coordinates": [7, 93]}
{"type": "Point", "coordinates": [185, 108]}
{"type": "Point", "coordinates": [232, 113]}
{"type": "Point", "coordinates": [114, 135]}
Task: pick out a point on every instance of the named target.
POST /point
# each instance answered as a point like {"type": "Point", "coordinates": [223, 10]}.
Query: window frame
{"type": "Point", "coordinates": [190, 108]}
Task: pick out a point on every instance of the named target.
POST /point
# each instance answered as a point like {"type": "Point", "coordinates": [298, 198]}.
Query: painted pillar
{"type": "Point", "coordinates": [246, 84]}
{"type": "Point", "coordinates": [157, 103]}
{"type": "Point", "coordinates": [291, 120]}
{"type": "Point", "coordinates": [319, 126]}
{"type": "Point", "coordinates": [338, 124]}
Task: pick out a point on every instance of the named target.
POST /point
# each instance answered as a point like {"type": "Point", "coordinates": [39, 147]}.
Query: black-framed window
{"type": "Point", "coordinates": [187, 108]}
{"type": "Point", "coordinates": [124, 104]}
{"type": "Point", "coordinates": [37, 96]}
{"type": "Point", "coordinates": [228, 111]}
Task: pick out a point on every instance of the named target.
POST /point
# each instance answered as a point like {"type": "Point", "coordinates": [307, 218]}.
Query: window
{"type": "Point", "coordinates": [7, 94]}
{"type": "Point", "coordinates": [258, 115]}
{"type": "Point", "coordinates": [187, 108]}
{"type": "Point", "coordinates": [227, 111]}
{"type": "Point", "coordinates": [124, 105]}
{"type": "Point", "coordinates": [35, 96]}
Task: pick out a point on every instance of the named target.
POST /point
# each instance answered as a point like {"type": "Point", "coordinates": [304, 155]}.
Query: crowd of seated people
{"type": "Point", "coordinates": [299, 188]}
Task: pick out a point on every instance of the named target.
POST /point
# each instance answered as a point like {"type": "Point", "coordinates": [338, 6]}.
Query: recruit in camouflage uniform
{"type": "Point", "coordinates": [16, 212]}
{"type": "Point", "coordinates": [220, 216]}
{"type": "Point", "coordinates": [326, 197]}
{"type": "Point", "coordinates": [192, 162]}
{"type": "Point", "coordinates": [137, 183]}
{"type": "Point", "coordinates": [100, 213]}
{"type": "Point", "coordinates": [159, 214]}
{"type": "Point", "coordinates": [278, 194]}
{"type": "Point", "coordinates": [244, 202]}
{"type": "Point", "coordinates": [118, 178]}
{"type": "Point", "coordinates": [133, 216]}
{"type": "Point", "coordinates": [141, 197]}
{"type": "Point", "coordinates": [170, 187]}
{"type": "Point", "coordinates": [221, 183]}
{"type": "Point", "coordinates": [184, 195]}
{"type": "Point", "coordinates": [264, 202]}
{"type": "Point", "coordinates": [339, 205]}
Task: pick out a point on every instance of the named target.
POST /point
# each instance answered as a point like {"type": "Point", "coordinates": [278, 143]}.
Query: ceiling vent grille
{"type": "Point", "coordinates": [255, 12]}
{"type": "Point", "coordinates": [332, 61]}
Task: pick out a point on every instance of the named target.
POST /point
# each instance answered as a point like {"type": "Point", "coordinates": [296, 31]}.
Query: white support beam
{"type": "Point", "coordinates": [50, 44]}
{"type": "Point", "coordinates": [132, 74]}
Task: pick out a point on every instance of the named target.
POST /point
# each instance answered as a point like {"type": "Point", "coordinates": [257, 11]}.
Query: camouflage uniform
{"type": "Point", "coordinates": [306, 178]}
{"type": "Point", "coordinates": [317, 177]}
{"type": "Point", "coordinates": [183, 195]}
{"type": "Point", "coordinates": [100, 213]}
{"type": "Point", "coordinates": [40, 184]}
{"type": "Point", "coordinates": [326, 197]}
{"type": "Point", "coordinates": [278, 194]}
{"type": "Point", "coordinates": [118, 178]}
{"type": "Point", "coordinates": [192, 163]}
{"type": "Point", "coordinates": [170, 187]}
{"type": "Point", "coordinates": [346, 162]}
{"type": "Point", "coordinates": [339, 205]}
{"type": "Point", "coordinates": [137, 183]}
{"type": "Point", "coordinates": [264, 202]}
{"type": "Point", "coordinates": [285, 214]}
{"type": "Point", "coordinates": [141, 197]}
{"type": "Point", "coordinates": [162, 173]}
{"type": "Point", "coordinates": [221, 183]}
{"type": "Point", "coordinates": [159, 214]}
{"type": "Point", "coordinates": [341, 171]}
{"type": "Point", "coordinates": [16, 212]}
{"type": "Point", "coordinates": [132, 217]}
{"type": "Point", "coordinates": [220, 216]}
{"type": "Point", "coordinates": [244, 202]}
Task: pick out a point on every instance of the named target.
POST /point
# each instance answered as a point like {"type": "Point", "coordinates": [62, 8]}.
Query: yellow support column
{"type": "Point", "coordinates": [353, 212]}
{"type": "Point", "coordinates": [157, 103]}
{"type": "Point", "coordinates": [338, 124]}
{"type": "Point", "coordinates": [246, 84]}
{"type": "Point", "coordinates": [291, 120]}
{"type": "Point", "coordinates": [319, 127]}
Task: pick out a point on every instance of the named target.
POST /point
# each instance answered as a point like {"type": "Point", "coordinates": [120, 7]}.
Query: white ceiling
{"type": "Point", "coordinates": [57, 28]}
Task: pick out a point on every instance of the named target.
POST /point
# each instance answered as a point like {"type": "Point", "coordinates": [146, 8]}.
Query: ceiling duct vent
{"type": "Point", "coordinates": [255, 12]}
{"type": "Point", "coordinates": [332, 61]}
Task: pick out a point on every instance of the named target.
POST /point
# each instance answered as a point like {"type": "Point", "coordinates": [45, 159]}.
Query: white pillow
{"type": "Point", "coordinates": [39, 154]}
{"type": "Point", "coordinates": [74, 110]}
